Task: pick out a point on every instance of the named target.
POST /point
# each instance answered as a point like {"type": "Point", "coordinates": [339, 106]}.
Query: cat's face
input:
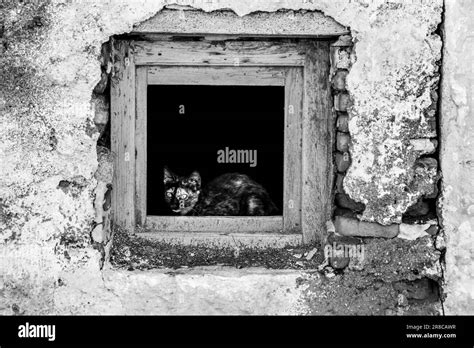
{"type": "Point", "coordinates": [181, 193]}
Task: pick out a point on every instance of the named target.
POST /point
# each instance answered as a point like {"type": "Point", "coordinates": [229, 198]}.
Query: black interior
{"type": "Point", "coordinates": [215, 117]}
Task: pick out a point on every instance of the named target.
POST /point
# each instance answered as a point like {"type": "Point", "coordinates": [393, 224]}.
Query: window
{"type": "Point", "coordinates": [294, 73]}
{"type": "Point", "coordinates": [214, 130]}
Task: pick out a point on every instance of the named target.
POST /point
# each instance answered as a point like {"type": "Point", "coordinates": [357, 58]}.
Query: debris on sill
{"type": "Point", "coordinates": [135, 253]}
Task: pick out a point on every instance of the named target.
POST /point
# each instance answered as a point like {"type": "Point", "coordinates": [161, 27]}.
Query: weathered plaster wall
{"type": "Point", "coordinates": [49, 66]}
{"type": "Point", "coordinates": [457, 155]}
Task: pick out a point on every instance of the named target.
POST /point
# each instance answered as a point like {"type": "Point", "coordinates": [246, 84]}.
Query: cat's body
{"type": "Point", "coordinates": [230, 194]}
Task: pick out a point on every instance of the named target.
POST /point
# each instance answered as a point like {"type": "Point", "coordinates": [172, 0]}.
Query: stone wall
{"type": "Point", "coordinates": [52, 257]}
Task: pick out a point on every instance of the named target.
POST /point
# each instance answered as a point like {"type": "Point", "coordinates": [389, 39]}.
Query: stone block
{"type": "Point", "coordinates": [376, 230]}
{"type": "Point", "coordinates": [353, 227]}
{"type": "Point", "coordinates": [346, 226]}
{"type": "Point", "coordinates": [339, 80]}
{"type": "Point", "coordinates": [343, 41]}
{"type": "Point", "coordinates": [98, 234]}
{"type": "Point", "coordinates": [102, 85]}
{"type": "Point", "coordinates": [342, 123]}
{"type": "Point", "coordinates": [341, 57]}
{"type": "Point", "coordinates": [424, 146]}
{"type": "Point", "coordinates": [105, 56]}
{"type": "Point", "coordinates": [345, 213]}
{"type": "Point", "coordinates": [420, 208]}
{"type": "Point", "coordinates": [334, 238]}
{"type": "Point", "coordinates": [340, 250]}
{"type": "Point", "coordinates": [412, 232]}
{"type": "Point", "coordinates": [105, 169]}
{"type": "Point", "coordinates": [339, 262]}
{"type": "Point", "coordinates": [342, 102]}
{"type": "Point", "coordinates": [101, 109]}
{"type": "Point", "coordinates": [344, 201]}
{"type": "Point", "coordinates": [428, 163]}
{"type": "Point", "coordinates": [339, 183]}
{"type": "Point", "coordinates": [343, 161]}
{"type": "Point", "coordinates": [342, 141]}
{"type": "Point", "coordinates": [432, 230]}
{"type": "Point", "coordinates": [425, 176]}
{"type": "Point", "coordinates": [434, 193]}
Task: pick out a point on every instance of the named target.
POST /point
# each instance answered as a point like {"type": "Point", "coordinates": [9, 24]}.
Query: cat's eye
{"type": "Point", "coordinates": [169, 194]}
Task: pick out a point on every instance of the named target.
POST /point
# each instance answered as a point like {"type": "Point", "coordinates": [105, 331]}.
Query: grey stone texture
{"type": "Point", "coordinates": [353, 227]}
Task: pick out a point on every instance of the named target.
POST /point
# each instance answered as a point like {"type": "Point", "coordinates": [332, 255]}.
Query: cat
{"type": "Point", "coordinates": [231, 194]}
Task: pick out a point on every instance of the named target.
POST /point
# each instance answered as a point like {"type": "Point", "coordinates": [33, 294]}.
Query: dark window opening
{"type": "Point", "coordinates": [188, 125]}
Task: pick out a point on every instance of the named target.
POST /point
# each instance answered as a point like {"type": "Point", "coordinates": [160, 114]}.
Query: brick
{"type": "Point", "coordinates": [343, 161]}
{"type": "Point", "coordinates": [341, 57]}
{"type": "Point", "coordinates": [376, 230]}
{"type": "Point", "coordinates": [101, 109]}
{"type": "Point", "coordinates": [355, 228]}
{"type": "Point", "coordinates": [105, 169]}
{"type": "Point", "coordinates": [342, 123]}
{"type": "Point", "coordinates": [334, 238]}
{"type": "Point", "coordinates": [342, 102]}
{"type": "Point", "coordinates": [102, 85]}
{"type": "Point", "coordinates": [105, 55]}
{"type": "Point", "coordinates": [427, 163]}
{"type": "Point", "coordinates": [434, 193]}
{"type": "Point", "coordinates": [345, 213]}
{"type": "Point", "coordinates": [432, 230]}
{"type": "Point", "coordinates": [339, 80]}
{"type": "Point", "coordinates": [344, 201]}
{"type": "Point", "coordinates": [346, 226]}
{"type": "Point", "coordinates": [340, 183]}
{"type": "Point", "coordinates": [343, 41]}
{"type": "Point", "coordinates": [434, 96]}
{"type": "Point", "coordinates": [424, 146]}
{"type": "Point", "coordinates": [342, 141]}
{"type": "Point", "coordinates": [420, 208]}
{"type": "Point", "coordinates": [412, 232]}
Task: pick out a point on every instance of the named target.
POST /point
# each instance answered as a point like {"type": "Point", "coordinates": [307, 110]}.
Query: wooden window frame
{"type": "Point", "coordinates": [302, 67]}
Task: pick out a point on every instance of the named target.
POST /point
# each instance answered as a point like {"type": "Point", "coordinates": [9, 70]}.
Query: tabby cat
{"type": "Point", "coordinates": [229, 194]}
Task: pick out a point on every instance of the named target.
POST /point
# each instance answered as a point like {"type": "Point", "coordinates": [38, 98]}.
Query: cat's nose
{"type": "Point", "coordinates": [181, 204]}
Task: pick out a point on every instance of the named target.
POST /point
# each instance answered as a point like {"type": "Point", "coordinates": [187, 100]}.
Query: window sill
{"type": "Point", "coordinates": [151, 250]}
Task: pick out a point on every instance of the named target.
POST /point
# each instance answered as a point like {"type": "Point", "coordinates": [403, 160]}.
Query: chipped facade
{"type": "Point", "coordinates": [386, 95]}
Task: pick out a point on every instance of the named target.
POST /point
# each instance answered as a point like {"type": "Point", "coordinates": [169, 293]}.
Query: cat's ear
{"type": "Point", "coordinates": [196, 178]}
{"type": "Point", "coordinates": [168, 176]}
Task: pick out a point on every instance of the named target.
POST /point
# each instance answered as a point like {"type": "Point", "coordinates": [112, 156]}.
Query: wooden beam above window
{"type": "Point", "coordinates": [223, 76]}
{"type": "Point", "coordinates": [228, 53]}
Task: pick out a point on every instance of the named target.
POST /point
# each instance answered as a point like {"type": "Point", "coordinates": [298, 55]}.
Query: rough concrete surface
{"type": "Point", "coordinates": [213, 290]}
{"type": "Point", "coordinates": [48, 69]}
{"type": "Point", "coordinates": [387, 271]}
